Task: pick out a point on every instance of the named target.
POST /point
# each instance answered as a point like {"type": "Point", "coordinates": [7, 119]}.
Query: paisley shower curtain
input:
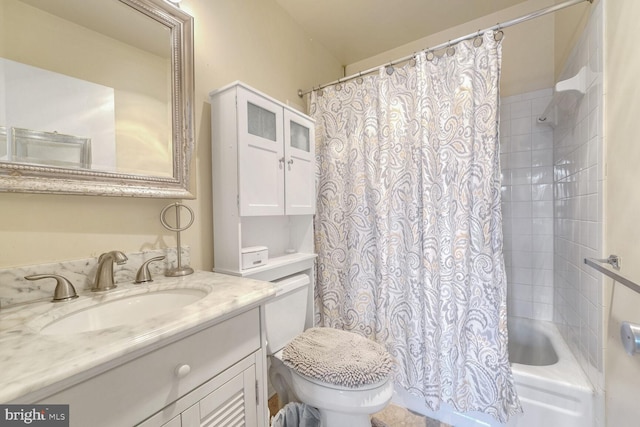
{"type": "Point", "coordinates": [408, 223]}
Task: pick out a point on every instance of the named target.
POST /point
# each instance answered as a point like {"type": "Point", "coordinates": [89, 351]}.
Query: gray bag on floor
{"type": "Point", "coordinates": [296, 414]}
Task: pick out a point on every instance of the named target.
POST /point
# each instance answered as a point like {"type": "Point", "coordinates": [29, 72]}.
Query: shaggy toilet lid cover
{"type": "Point", "coordinates": [338, 357]}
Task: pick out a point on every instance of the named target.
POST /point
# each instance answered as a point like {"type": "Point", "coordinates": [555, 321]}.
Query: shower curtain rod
{"type": "Point", "coordinates": [498, 26]}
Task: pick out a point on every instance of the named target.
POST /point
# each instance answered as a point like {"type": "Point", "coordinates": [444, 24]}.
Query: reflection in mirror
{"type": "Point", "coordinates": [95, 93]}
{"type": "Point", "coordinates": [47, 148]}
{"type": "Point", "coordinates": [46, 103]}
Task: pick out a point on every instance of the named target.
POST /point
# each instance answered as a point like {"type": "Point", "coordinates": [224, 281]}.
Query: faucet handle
{"type": "Point", "coordinates": [64, 289]}
{"type": "Point", "coordinates": [144, 275]}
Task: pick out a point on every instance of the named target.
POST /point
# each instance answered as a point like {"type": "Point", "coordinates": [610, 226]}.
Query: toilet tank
{"type": "Point", "coordinates": [285, 314]}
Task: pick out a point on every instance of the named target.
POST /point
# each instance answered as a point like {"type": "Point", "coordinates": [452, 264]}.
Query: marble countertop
{"type": "Point", "coordinates": [32, 361]}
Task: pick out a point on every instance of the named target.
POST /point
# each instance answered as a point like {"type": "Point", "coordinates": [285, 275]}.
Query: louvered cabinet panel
{"type": "Point", "coordinates": [228, 400]}
{"type": "Point", "coordinates": [233, 404]}
{"type": "Point", "coordinates": [229, 413]}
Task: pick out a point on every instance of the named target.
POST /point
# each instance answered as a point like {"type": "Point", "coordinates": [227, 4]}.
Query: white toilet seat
{"type": "Point", "coordinates": [339, 406]}
{"type": "Point", "coordinates": [342, 406]}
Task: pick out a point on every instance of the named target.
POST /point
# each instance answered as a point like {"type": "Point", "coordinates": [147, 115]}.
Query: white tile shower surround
{"type": "Point", "coordinates": [527, 208]}
{"type": "Point", "coordinates": [552, 207]}
{"type": "Point", "coordinates": [578, 170]}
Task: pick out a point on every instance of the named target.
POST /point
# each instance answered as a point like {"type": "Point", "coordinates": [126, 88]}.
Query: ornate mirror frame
{"type": "Point", "coordinates": [25, 178]}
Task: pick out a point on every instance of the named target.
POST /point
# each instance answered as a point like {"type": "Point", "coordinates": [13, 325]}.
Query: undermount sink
{"type": "Point", "coordinates": [127, 310]}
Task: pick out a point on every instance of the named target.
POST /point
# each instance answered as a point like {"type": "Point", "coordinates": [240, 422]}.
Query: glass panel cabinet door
{"type": "Point", "coordinates": [299, 153]}
{"type": "Point", "coordinates": [299, 136]}
{"type": "Point", "coordinates": [261, 122]}
{"type": "Point", "coordinates": [260, 155]}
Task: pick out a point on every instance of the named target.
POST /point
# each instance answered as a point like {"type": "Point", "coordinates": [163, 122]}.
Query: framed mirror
{"type": "Point", "coordinates": [96, 97]}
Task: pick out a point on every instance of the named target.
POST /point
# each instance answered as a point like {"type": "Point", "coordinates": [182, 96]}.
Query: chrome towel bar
{"type": "Point", "coordinates": [614, 261]}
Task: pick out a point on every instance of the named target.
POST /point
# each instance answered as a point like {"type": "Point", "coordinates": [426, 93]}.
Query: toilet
{"type": "Point", "coordinates": [304, 368]}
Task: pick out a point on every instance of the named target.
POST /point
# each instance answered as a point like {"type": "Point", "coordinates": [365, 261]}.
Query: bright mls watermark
{"type": "Point", "coordinates": [34, 415]}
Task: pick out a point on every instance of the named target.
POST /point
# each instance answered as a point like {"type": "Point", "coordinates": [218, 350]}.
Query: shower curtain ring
{"type": "Point", "coordinates": [430, 55]}
{"type": "Point", "coordinates": [497, 36]}
{"type": "Point", "coordinates": [450, 49]}
{"type": "Point", "coordinates": [389, 68]}
{"type": "Point", "coordinates": [477, 41]}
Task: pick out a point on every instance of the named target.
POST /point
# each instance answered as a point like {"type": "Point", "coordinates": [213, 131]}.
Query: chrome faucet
{"type": "Point", "coordinates": [104, 273]}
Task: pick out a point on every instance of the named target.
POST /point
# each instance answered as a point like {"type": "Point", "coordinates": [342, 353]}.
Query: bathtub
{"type": "Point", "coordinates": [552, 388]}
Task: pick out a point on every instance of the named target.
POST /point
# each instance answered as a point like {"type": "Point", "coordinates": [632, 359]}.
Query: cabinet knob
{"type": "Point", "coordinates": [290, 162]}
{"type": "Point", "coordinates": [182, 370]}
{"type": "Point", "coordinates": [281, 162]}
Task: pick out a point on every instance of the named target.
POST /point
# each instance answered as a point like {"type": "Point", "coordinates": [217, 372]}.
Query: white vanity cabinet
{"type": "Point", "coordinates": [267, 148]}
{"type": "Point", "coordinates": [217, 373]}
{"type": "Point", "coordinates": [263, 183]}
{"type": "Point", "coordinates": [230, 399]}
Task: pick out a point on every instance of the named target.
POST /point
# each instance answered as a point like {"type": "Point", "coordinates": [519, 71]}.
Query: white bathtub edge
{"type": "Point", "coordinates": [567, 376]}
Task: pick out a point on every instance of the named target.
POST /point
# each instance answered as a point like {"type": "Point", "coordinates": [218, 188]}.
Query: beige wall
{"type": "Point", "coordinates": [250, 40]}
{"type": "Point", "coordinates": [622, 202]}
{"type": "Point", "coordinates": [527, 50]}
{"type": "Point", "coordinates": [569, 24]}
{"type": "Point", "coordinates": [533, 52]}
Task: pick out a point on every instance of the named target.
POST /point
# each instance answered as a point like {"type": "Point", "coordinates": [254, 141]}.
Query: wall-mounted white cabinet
{"type": "Point", "coordinates": [275, 149]}
{"type": "Point", "coordinates": [263, 171]}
